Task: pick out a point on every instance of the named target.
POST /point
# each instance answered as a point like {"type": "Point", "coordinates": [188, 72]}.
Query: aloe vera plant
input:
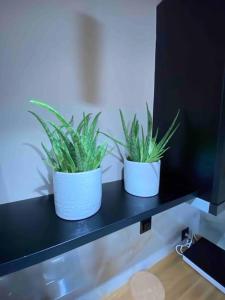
{"type": "Point", "coordinates": [72, 149]}
{"type": "Point", "coordinates": [143, 147]}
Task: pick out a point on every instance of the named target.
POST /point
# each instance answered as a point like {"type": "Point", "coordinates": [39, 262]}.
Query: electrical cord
{"type": "Point", "coordinates": [186, 243]}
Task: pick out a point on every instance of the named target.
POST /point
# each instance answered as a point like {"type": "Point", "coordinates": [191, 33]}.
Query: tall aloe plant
{"type": "Point", "coordinates": [72, 149]}
{"type": "Point", "coordinates": [143, 147]}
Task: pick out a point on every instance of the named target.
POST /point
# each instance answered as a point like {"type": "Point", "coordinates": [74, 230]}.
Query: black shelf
{"type": "Point", "coordinates": [30, 232]}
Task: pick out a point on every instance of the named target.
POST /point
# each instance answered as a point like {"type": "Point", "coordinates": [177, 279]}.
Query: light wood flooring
{"type": "Point", "coordinates": [180, 281]}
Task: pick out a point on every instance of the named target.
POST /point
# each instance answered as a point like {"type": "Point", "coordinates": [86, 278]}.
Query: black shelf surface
{"type": "Point", "coordinates": [30, 231]}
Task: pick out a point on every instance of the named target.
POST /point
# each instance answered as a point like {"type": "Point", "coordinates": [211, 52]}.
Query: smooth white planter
{"type": "Point", "coordinates": [77, 195]}
{"type": "Point", "coordinates": [141, 179]}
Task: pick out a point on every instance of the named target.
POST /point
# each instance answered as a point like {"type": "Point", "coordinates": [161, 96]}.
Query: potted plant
{"type": "Point", "coordinates": [143, 157]}
{"type": "Point", "coordinates": [75, 158]}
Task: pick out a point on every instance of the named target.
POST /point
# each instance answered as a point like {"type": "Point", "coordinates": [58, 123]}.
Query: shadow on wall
{"type": "Point", "coordinates": [46, 187]}
{"type": "Point", "coordinates": [3, 189]}
{"type": "Point", "coordinates": [90, 57]}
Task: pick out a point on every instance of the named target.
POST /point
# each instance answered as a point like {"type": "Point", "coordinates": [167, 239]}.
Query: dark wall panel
{"type": "Point", "coordinates": [189, 74]}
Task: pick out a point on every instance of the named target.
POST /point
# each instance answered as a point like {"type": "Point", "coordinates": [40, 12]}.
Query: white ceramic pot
{"type": "Point", "coordinates": [141, 179]}
{"type": "Point", "coordinates": [77, 195]}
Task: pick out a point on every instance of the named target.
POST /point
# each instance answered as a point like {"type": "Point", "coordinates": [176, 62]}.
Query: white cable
{"type": "Point", "coordinates": [180, 248]}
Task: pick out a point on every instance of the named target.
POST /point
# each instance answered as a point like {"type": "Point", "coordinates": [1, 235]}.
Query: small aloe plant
{"type": "Point", "coordinates": [143, 147]}
{"type": "Point", "coordinates": [72, 149]}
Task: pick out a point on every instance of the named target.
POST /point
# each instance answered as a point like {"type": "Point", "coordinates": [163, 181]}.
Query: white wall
{"type": "Point", "coordinates": [79, 55]}
{"type": "Point", "coordinates": [212, 228]}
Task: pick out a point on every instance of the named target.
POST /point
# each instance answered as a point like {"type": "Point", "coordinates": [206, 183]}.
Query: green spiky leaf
{"type": "Point", "coordinates": [143, 147]}
{"type": "Point", "coordinates": [72, 149]}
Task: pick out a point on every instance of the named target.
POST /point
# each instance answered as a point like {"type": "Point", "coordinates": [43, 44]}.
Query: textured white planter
{"type": "Point", "coordinates": [77, 195]}
{"type": "Point", "coordinates": [141, 179]}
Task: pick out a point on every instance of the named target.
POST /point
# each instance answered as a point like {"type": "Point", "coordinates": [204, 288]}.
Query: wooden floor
{"type": "Point", "coordinates": [180, 282]}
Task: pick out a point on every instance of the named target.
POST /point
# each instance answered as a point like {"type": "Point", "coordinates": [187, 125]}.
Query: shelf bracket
{"type": "Point", "coordinates": [145, 225]}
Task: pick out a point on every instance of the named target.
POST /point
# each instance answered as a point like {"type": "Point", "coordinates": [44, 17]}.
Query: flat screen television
{"type": "Point", "coordinates": [189, 75]}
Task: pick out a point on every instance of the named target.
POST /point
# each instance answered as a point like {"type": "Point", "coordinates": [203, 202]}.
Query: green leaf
{"type": "Point", "coordinates": [141, 147]}
{"type": "Point", "coordinates": [125, 130]}
{"type": "Point", "coordinates": [149, 122]}
{"type": "Point", "coordinates": [66, 147]}
{"type": "Point", "coordinates": [73, 150]}
{"type": "Point", "coordinates": [52, 110]}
